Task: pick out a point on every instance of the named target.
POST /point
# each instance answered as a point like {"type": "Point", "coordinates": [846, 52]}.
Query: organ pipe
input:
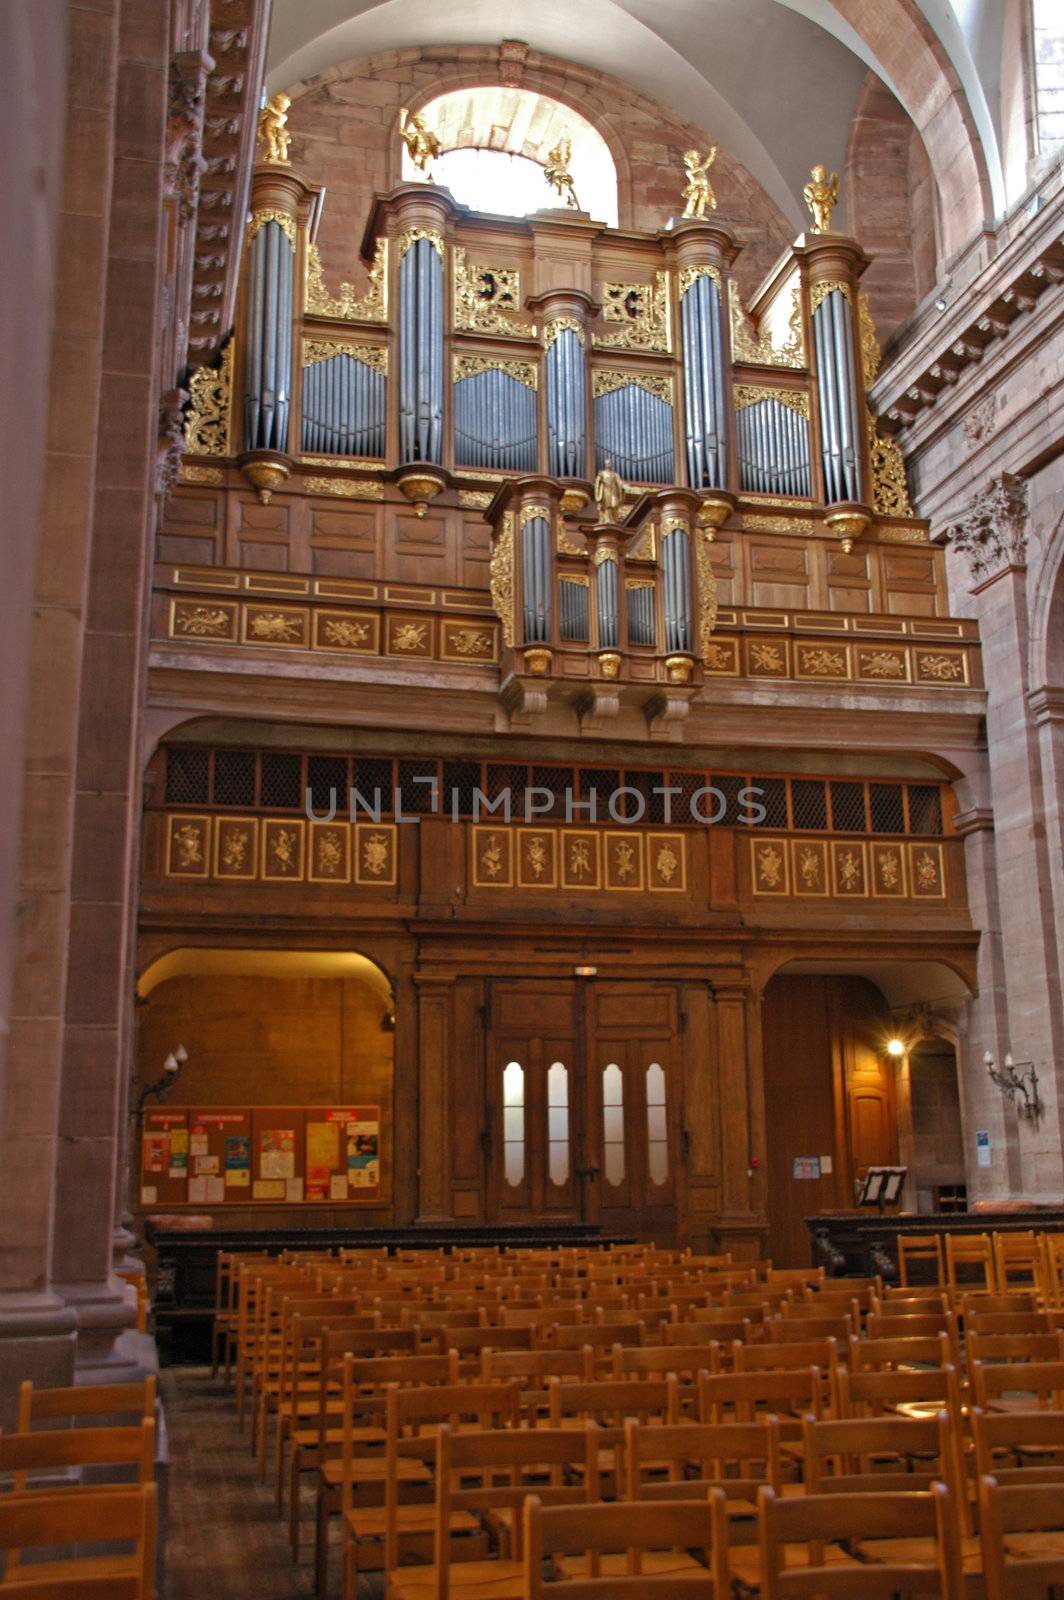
{"type": "Point", "coordinates": [703, 375]}
{"type": "Point", "coordinates": [495, 422]}
{"type": "Point", "coordinates": [676, 579]}
{"type": "Point", "coordinates": [566, 405]}
{"type": "Point", "coordinates": [344, 407]}
{"type": "Point", "coordinates": [536, 579]}
{"type": "Point", "coordinates": [634, 429]}
{"type": "Point", "coordinates": [268, 339]}
{"type": "Point", "coordinates": [606, 600]}
{"type": "Point", "coordinates": [839, 401]}
{"type": "Point", "coordinates": [421, 353]}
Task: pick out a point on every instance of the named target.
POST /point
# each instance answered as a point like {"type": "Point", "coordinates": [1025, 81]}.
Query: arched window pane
{"type": "Point", "coordinates": [513, 1102]}
{"type": "Point", "coordinates": [613, 1124]}
{"type": "Point", "coordinates": [558, 1123]}
{"type": "Point", "coordinates": [657, 1126]}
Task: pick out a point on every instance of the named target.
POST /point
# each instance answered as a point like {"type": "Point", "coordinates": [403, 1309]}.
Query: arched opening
{"type": "Point", "coordinates": [286, 1095]}
{"type": "Point", "coordinates": [495, 144]}
{"type": "Point", "coordinates": [838, 1100]}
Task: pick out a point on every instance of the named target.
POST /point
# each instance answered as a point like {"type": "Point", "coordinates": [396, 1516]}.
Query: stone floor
{"type": "Point", "coordinates": [225, 1540]}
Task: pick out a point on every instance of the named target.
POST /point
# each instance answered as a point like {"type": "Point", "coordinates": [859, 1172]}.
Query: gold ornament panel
{"type": "Point", "coordinates": [927, 872]}
{"type": "Point", "coordinates": [335, 630]}
{"type": "Point", "coordinates": [286, 850]}
{"type": "Point", "coordinates": [347, 306]}
{"type": "Point", "coordinates": [783, 867]}
{"type": "Point", "coordinates": [564, 859]}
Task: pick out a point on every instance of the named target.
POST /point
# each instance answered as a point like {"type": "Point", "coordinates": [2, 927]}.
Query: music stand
{"type": "Point", "coordinates": [883, 1186]}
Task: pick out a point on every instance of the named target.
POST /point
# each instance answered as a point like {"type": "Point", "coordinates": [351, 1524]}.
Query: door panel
{"type": "Point", "coordinates": [584, 1105]}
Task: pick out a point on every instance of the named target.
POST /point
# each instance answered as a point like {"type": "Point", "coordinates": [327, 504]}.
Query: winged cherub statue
{"type": "Point", "coordinates": [558, 175]}
{"type": "Point", "coordinates": [272, 130]}
{"type": "Point", "coordinates": [698, 192]}
{"type": "Point", "coordinates": [821, 195]}
{"type": "Point", "coordinates": [420, 141]}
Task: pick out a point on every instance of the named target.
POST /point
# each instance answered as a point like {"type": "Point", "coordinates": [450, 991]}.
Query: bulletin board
{"type": "Point", "coordinates": [275, 1155]}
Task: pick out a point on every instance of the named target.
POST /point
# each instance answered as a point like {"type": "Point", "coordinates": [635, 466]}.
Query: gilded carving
{"type": "Point", "coordinates": [720, 658]}
{"type": "Point", "coordinates": [849, 866]}
{"type": "Point", "coordinates": [821, 195]}
{"type": "Point", "coordinates": [822, 663]}
{"type": "Point", "coordinates": [558, 325]}
{"type": "Point", "coordinates": [410, 237]}
{"type": "Point", "coordinates": [751, 394]}
{"type": "Point", "coordinates": [767, 658]}
{"type": "Point", "coordinates": [881, 664]}
{"type": "Point", "coordinates": [283, 219]}
{"type": "Point", "coordinates": [408, 636]}
{"type": "Point", "coordinates": [690, 275]}
{"type": "Point", "coordinates": [927, 872]}
{"type": "Point", "coordinates": [471, 641]}
{"type": "Point", "coordinates": [203, 622]}
{"type": "Point", "coordinates": [471, 366]}
{"type": "Point", "coordinates": [370, 355]}
{"type": "Point", "coordinates": [284, 850]}
{"type": "Point", "coordinates": [566, 546]}
{"type": "Point", "coordinates": [707, 595]}
{"type": "Point", "coordinates": [188, 844]}
{"type": "Point", "coordinates": [771, 867]}
{"type": "Point", "coordinates": [888, 868]}
{"type": "Point", "coordinates": [487, 299]}
{"type": "Point", "coordinates": [330, 853]}
{"type": "Point", "coordinates": [666, 863]}
{"type": "Point", "coordinates": [501, 577]}
{"type": "Point", "coordinates": [346, 488]}
{"type": "Point", "coordinates": [347, 306]}
{"type": "Point", "coordinates": [578, 860]}
{"type": "Point", "coordinates": [207, 419]}
{"type": "Point", "coordinates": [811, 868]}
{"type": "Point", "coordinates": [754, 523]}
{"type": "Point", "coordinates": [272, 131]}
{"type": "Point", "coordinates": [349, 635]}
{"type": "Point", "coordinates": [274, 627]}
{"type": "Point", "coordinates": [940, 668]}
{"type": "Point", "coordinates": [606, 380]}
{"type": "Point", "coordinates": [760, 351]}
{"type": "Point", "coordinates": [871, 355]}
{"type": "Point", "coordinates": [890, 492]}
{"type": "Point", "coordinates": [375, 854]}
{"type": "Point", "coordinates": [643, 311]}
{"type": "Point", "coordinates": [820, 290]}
{"type": "Point", "coordinates": [475, 499]}
{"type": "Point", "coordinates": [207, 475]}
{"type": "Point", "coordinates": [645, 547]}
{"type": "Point", "coordinates": [697, 191]}
{"type": "Point", "coordinates": [422, 144]}
{"type": "Point", "coordinates": [603, 554]}
{"type": "Point", "coordinates": [556, 171]}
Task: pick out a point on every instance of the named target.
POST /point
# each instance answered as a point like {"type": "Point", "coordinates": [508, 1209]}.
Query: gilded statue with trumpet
{"type": "Point", "coordinates": [558, 175]}
{"type": "Point", "coordinates": [698, 192]}
{"type": "Point", "coordinates": [421, 143]}
{"type": "Point", "coordinates": [821, 195]}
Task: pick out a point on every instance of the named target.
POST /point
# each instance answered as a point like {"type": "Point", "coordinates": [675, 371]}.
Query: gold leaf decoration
{"type": "Point", "coordinates": [347, 306]}
{"type": "Point", "coordinates": [370, 355]}
{"type": "Point", "coordinates": [605, 381]}
{"type": "Point", "coordinates": [410, 237]}
{"type": "Point", "coordinates": [825, 286]}
{"type": "Point", "coordinates": [559, 325]}
{"type": "Point", "coordinates": [471, 366]}
{"type": "Point", "coordinates": [761, 351]}
{"type": "Point", "coordinates": [487, 299]}
{"type": "Point", "coordinates": [642, 309]}
{"type": "Point", "coordinates": [871, 355]}
{"type": "Point", "coordinates": [890, 492]}
{"type": "Point", "coordinates": [345, 488]}
{"type": "Point", "coordinates": [707, 596]}
{"type": "Point", "coordinates": [207, 419]}
{"type": "Point", "coordinates": [690, 276]}
{"type": "Point", "coordinates": [501, 577]}
{"type": "Point", "coordinates": [284, 221]}
{"type": "Point", "coordinates": [750, 394]}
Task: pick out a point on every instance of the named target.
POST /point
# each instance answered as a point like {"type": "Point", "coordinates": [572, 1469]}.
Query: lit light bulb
{"type": "Point", "coordinates": [895, 1047]}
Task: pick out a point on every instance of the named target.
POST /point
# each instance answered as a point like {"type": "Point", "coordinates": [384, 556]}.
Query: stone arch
{"type": "Point", "coordinates": [350, 110]}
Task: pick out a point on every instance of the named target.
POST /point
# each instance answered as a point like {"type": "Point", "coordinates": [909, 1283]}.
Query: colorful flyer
{"type": "Point", "coordinates": [363, 1152]}
{"type": "Point", "coordinates": [268, 1189]}
{"type": "Point", "coordinates": [156, 1153]}
{"type": "Point", "coordinates": [237, 1162]}
{"type": "Point", "coordinates": [338, 1186]}
{"type": "Point", "coordinates": [323, 1151]}
{"type": "Point", "coordinates": [277, 1160]}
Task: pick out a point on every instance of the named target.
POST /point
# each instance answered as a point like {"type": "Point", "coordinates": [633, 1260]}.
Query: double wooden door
{"type": "Point", "coordinates": [584, 1111]}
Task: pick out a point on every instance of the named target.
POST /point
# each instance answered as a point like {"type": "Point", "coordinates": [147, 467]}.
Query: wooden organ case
{"type": "Point", "coordinates": [544, 507]}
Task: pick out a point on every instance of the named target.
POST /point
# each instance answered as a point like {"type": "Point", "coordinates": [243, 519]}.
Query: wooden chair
{"type": "Point", "coordinates": [907, 1392]}
{"type": "Point", "coordinates": [79, 1522]}
{"type": "Point", "coordinates": [490, 1474]}
{"type": "Point", "coordinates": [788, 1395]}
{"type": "Point", "coordinates": [920, 1250]}
{"type": "Point", "coordinates": [1006, 1322]}
{"type": "Point", "coordinates": [1019, 1260]}
{"type": "Point", "coordinates": [799, 1330]}
{"type": "Point", "coordinates": [789, 1356]}
{"type": "Point", "coordinates": [1013, 1386]}
{"type": "Point", "coordinates": [899, 1302]}
{"type": "Point", "coordinates": [975, 1252]}
{"type": "Point", "coordinates": [922, 1327]}
{"type": "Point", "coordinates": [608, 1404]}
{"type": "Point", "coordinates": [1053, 1245]}
{"type": "Point", "coordinates": [406, 1522]}
{"type": "Point", "coordinates": [868, 1355]}
{"type": "Point", "coordinates": [56, 1450]}
{"type": "Point", "coordinates": [1004, 1347]}
{"type": "Point", "coordinates": [50, 1406]}
{"type": "Point", "coordinates": [1019, 1446]}
{"type": "Point", "coordinates": [886, 1454]}
{"type": "Point", "coordinates": [1023, 1539]}
{"type": "Point", "coordinates": [697, 1457]}
{"type": "Point", "coordinates": [805, 1525]}
{"type": "Point", "coordinates": [625, 1540]}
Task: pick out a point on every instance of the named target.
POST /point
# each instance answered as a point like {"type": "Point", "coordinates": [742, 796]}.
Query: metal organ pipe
{"type": "Point", "coordinates": [566, 405]}
{"type": "Point", "coordinates": [344, 407]}
{"type": "Point", "coordinates": [536, 580]}
{"type": "Point", "coordinates": [837, 381]}
{"type": "Point", "coordinates": [703, 377]}
{"type": "Point", "coordinates": [268, 340]}
{"type": "Point", "coordinates": [606, 600]}
{"type": "Point", "coordinates": [676, 564]}
{"type": "Point", "coordinates": [634, 428]}
{"type": "Point", "coordinates": [421, 353]}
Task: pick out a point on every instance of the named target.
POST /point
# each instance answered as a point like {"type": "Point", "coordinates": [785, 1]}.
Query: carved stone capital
{"type": "Point", "coordinates": [186, 107]}
{"type": "Point", "coordinates": [992, 531]}
{"type": "Point", "coordinates": [171, 444]}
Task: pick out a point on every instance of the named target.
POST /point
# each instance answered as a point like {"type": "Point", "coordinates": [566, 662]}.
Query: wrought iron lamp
{"type": "Point", "coordinates": [1018, 1083]}
{"type": "Point", "coordinates": [164, 1083]}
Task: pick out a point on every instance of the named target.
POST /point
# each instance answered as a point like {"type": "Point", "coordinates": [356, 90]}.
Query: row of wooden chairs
{"type": "Point", "coordinates": [994, 1262]}
{"type": "Point", "coordinates": [370, 1417]}
{"type": "Point", "coordinates": [64, 1536]}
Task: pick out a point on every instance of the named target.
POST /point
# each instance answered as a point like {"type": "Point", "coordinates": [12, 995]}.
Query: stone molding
{"type": "Point", "coordinates": [979, 819]}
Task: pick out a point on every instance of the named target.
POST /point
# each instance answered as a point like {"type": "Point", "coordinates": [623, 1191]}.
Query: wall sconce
{"type": "Point", "coordinates": [895, 1047]}
{"type": "Point", "coordinates": [164, 1083]}
{"type": "Point", "coordinates": [1018, 1079]}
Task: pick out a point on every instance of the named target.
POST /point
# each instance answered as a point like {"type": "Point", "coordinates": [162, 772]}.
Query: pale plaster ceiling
{"type": "Point", "coordinates": [774, 81]}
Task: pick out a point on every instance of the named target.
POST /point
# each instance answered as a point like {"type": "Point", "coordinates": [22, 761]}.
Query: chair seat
{"type": "Point", "coordinates": [903, 1551]}
{"type": "Point", "coordinates": [1034, 1546]}
{"type": "Point", "coordinates": [310, 1438]}
{"type": "Point", "coordinates": [369, 1524]}
{"type": "Point", "coordinates": [98, 1568]}
{"type": "Point", "coordinates": [655, 1564]}
{"type": "Point", "coordinates": [368, 1469]}
{"type": "Point", "coordinates": [492, 1580]}
{"type": "Point", "coordinates": [744, 1561]}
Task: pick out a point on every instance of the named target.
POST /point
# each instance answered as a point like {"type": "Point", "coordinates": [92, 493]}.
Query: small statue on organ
{"type": "Point", "coordinates": [821, 195]}
{"type": "Point", "coordinates": [698, 192]}
{"type": "Point", "coordinates": [558, 175]}
{"type": "Point", "coordinates": [610, 490]}
{"type": "Point", "coordinates": [272, 130]}
{"type": "Point", "coordinates": [422, 144]}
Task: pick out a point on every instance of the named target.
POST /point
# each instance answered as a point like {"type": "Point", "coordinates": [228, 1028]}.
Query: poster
{"type": "Point", "coordinates": [197, 1191]}
{"type": "Point", "coordinates": [805, 1168]}
{"type": "Point", "coordinates": [323, 1157]}
{"type": "Point", "coordinates": [198, 1143]}
{"type": "Point", "coordinates": [338, 1186]}
{"type": "Point", "coordinates": [237, 1162]}
{"type": "Point", "coordinates": [268, 1189]}
{"type": "Point", "coordinates": [982, 1148]}
{"type": "Point", "coordinates": [277, 1155]}
{"type": "Point", "coordinates": [363, 1152]}
{"type": "Point", "coordinates": [156, 1154]}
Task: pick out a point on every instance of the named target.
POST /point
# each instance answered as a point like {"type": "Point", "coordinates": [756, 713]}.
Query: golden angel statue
{"type": "Point", "coordinates": [610, 490]}
{"type": "Point", "coordinates": [698, 192]}
{"type": "Point", "coordinates": [821, 195]}
{"type": "Point", "coordinates": [558, 175]}
{"type": "Point", "coordinates": [272, 130]}
{"type": "Point", "coordinates": [420, 141]}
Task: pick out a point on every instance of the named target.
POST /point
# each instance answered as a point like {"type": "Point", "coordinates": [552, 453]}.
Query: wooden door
{"type": "Point", "coordinates": [634, 1109]}
{"type": "Point", "coordinates": [534, 1114]}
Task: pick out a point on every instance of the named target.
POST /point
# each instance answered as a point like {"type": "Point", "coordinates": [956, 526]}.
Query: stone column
{"type": "Point", "coordinates": [97, 1002]}
{"type": "Point", "coordinates": [991, 536]}
{"type": "Point", "coordinates": [435, 1034]}
{"type": "Point", "coordinates": [36, 1326]}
